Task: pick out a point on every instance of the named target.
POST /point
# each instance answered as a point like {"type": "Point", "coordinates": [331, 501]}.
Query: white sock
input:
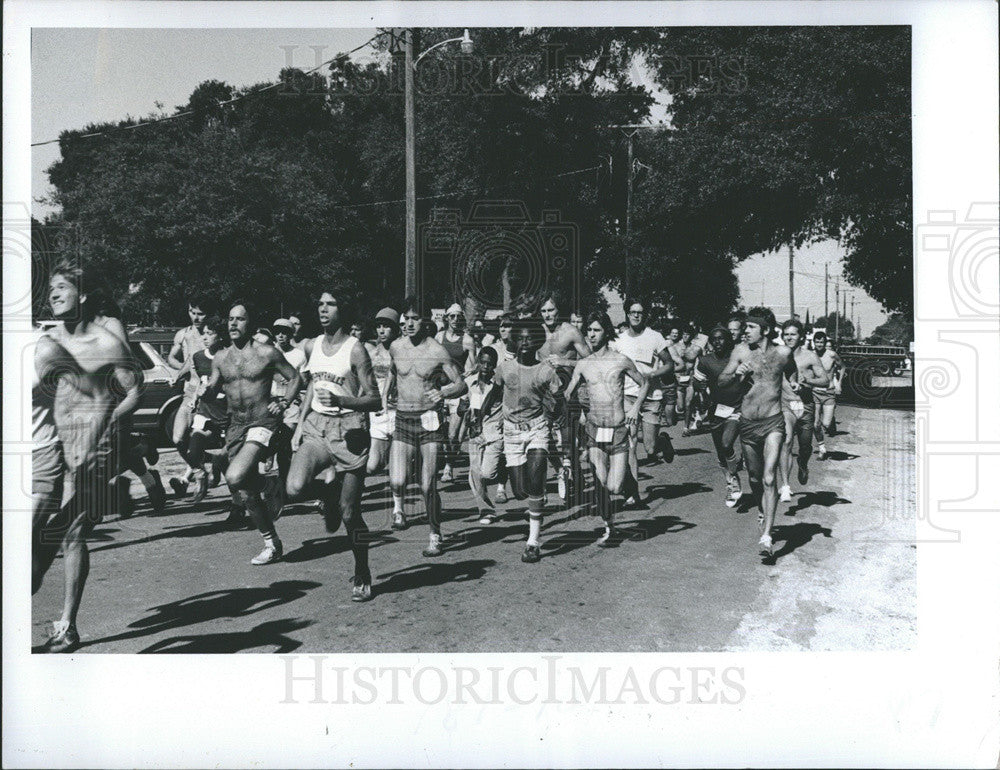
{"type": "Point", "coordinates": [534, 527]}
{"type": "Point", "coordinates": [271, 540]}
{"type": "Point", "coordinates": [186, 476]}
{"type": "Point", "coordinates": [397, 503]}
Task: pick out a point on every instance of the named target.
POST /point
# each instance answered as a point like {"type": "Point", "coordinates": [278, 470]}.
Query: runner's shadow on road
{"type": "Point", "coordinates": [673, 491]}
{"type": "Point", "coordinates": [212, 605]}
{"type": "Point", "coordinates": [838, 456]}
{"type": "Point", "coordinates": [690, 451]}
{"type": "Point", "coordinates": [426, 575]}
{"type": "Point", "coordinates": [826, 499]}
{"type": "Point", "coordinates": [485, 534]}
{"type": "Point", "coordinates": [274, 633]}
{"type": "Point", "coordinates": [193, 530]}
{"type": "Point", "coordinates": [647, 529]}
{"type": "Point", "coordinates": [795, 536]}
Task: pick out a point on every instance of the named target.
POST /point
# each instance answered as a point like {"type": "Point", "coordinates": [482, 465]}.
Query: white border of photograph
{"type": "Point", "coordinates": [938, 705]}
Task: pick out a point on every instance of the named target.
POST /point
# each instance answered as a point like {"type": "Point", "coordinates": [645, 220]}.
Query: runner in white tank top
{"type": "Point", "coordinates": [332, 373]}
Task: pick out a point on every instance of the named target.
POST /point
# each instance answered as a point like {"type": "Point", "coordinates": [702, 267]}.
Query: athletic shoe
{"type": "Point", "coordinates": [665, 447]}
{"type": "Point", "coordinates": [501, 494]}
{"type": "Point", "coordinates": [201, 479]}
{"type": "Point", "coordinates": [157, 495]}
{"type": "Point", "coordinates": [434, 547]}
{"type": "Point", "coordinates": [786, 493]}
{"type": "Point", "coordinates": [803, 474]}
{"type": "Point", "coordinates": [607, 539]}
{"type": "Point", "coordinates": [269, 555]}
{"type": "Point", "coordinates": [686, 432]}
{"type": "Point", "coordinates": [178, 485]}
{"type": "Point", "coordinates": [447, 475]}
{"type": "Point", "coordinates": [362, 590]}
{"type": "Point", "coordinates": [399, 521]}
{"type": "Point", "coordinates": [487, 518]}
{"type": "Point", "coordinates": [735, 492]}
{"type": "Point", "coordinates": [532, 554]}
{"type": "Point", "coordinates": [821, 453]}
{"type": "Point", "coordinates": [332, 515]}
{"type": "Point", "coordinates": [766, 546]}
{"type": "Point", "coordinates": [64, 638]}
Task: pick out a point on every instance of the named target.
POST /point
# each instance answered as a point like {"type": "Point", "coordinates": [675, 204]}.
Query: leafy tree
{"type": "Point", "coordinates": [898, 330]}
{"type": "Point", "coordinates": [836, 322]}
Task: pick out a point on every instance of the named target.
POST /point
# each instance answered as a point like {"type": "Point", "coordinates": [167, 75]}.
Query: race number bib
{"type": "Point", "coordinates": [199, 422]}
{"type": "Point", "coordinates": [797, 407]}
{"type": "Point", "coordinates": [429, 420]}
{"type": "Point", "coordinates": [605, 435]}
{"type": "Point", "coordinates": [723, 411]}
{"type": "Point", "coordinates": [476, 399]}
{"type": "Point", "coordinates": [259, 435]}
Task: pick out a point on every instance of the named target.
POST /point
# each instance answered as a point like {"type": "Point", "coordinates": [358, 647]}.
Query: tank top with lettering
{"type": "Point", "coordinates": [332, 373]}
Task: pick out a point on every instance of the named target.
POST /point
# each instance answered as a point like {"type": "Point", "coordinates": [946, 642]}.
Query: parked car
{"type": "Point", "coordinates": [161, 396]}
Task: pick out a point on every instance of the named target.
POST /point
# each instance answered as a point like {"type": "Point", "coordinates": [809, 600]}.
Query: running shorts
{"type": "Point", "coordinates": [259, 431]}
{"type": "Point", "coordinates": [519, 437]}
{"type": "Point", "coordinates": [650, 412]}
{"type": "Point", "coordinates": [670, 394]}
{"type": "Point", "coordinates": [755, 432]}
{"type": "Point", "coordinates": [383, 425]}
{"type": "Point", "coordinates": [822, 399]}
{"type": "Point", "coordinates": [611, 441]}
{"type": "Point", "coordinates": [47, 468]}
{"type": "Point", "coordinates": [344, 437]}
{"type": "Point", "coordinates": [419, 428]}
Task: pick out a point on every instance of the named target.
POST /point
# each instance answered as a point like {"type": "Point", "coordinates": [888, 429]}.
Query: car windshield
{"type": "Point", "coordinates": [140, 355]}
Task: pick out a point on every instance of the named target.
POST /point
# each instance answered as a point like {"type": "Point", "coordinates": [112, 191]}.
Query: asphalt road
{"type": "Point", "coordinates": [687, 577]}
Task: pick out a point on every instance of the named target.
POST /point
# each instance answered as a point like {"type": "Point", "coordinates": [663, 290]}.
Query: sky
{"type": "Point", "coordinates": [82, 76]}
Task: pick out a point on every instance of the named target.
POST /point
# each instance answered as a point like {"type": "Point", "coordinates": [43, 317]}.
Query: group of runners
{"type": "Point", "coordinates": [540, 392]}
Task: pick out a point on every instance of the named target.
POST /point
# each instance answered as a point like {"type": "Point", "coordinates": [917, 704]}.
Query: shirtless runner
{"type": "Point", "coordinates": [383, 422]}
{"type": "Point", "coordinates": [417, 362]}
{"type": "Point", "coordinates": [826, 397]}
{"type": "Point", "coordinates": [97, 387]}
{"type": "Point", "coordinates": [244, 371]}
{"type": "Point", "coordinates": [800, 408]}
{"type": "Point", "coordinates": [564, 345]}
{"type": "Point", "coordinates": [761, 365]}
{"type": "Point", "coordinates": [608, 424]}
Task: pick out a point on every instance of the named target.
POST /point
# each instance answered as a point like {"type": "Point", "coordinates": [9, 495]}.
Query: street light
{"type": "Point", "coordinates": [411, 150]}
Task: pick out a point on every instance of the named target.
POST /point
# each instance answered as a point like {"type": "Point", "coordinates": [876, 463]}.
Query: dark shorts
{"type": "Point", "coordinates": [614, 441]}
{"type": "Point", "coordinates": [260, 431]}
{"type": "Point", "coordinates": [755, 432]}
{"type": "Point", "coordinates": [410, 429]}
{"type": "Point", "coordinates": [670, 394]}
{"type": "Point", "coordinates": [344, 438]}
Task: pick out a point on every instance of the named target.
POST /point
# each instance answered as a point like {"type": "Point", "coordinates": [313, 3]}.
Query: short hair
{"type": "Point", "coordinates": [634, 300]}
{"type": "Point", "coordinates": [413, 302]}
{"type": "Point", "coordinates": [820, 335]}
{"type": "Point", "coordinates": [347, 308]}
{"type": "Point", "coordinates": [793, 322]}
{"type": "Point", "coordinates": [216, 324]}
{"type": "Point", "coordinates": [763, 314]}
{"type": "Point", "coordinates": [427, 327]}
{"type": "Point", "coordinates": [80, 279]}
{"type": "Point", "coordinates": [673, 323]}
{"type": "Point", "coordinates": [202, 301]}
{"type": "Point", "coordinates": [721, 330]}
{"type": "Point", "coordinates": [602, 318]}
{"type": "Point", "coordinates": [490, 353]}
{"type": "Point", "coordinates": [245, 303]}
{"type": "Point", "coordinates": [550, 295]}
{"type": "Point", "coordinates": [690, 329]}
{"type": "Point", "coordinates": [533, 326]}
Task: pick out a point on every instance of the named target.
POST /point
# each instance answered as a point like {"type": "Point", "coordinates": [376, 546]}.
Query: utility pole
{"type": "Point", "coordinates": [791, 281]}
{"type": "Point", "coordinates": [853, 322]}
{"type": "Point", "coordinates": [411, 171]}
{"type": "Point", "coordinates": [628, 218]}
{"type": "Point", "coordinates": [826, 290]}
{"type": "Point", "coordinates": [836, 304]}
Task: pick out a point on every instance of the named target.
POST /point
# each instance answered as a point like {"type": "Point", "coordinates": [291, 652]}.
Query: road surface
{"type": "Point", "coordinates": [687, 578]}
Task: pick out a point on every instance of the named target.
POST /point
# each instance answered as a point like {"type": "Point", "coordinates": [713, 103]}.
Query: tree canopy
{"type": "Point", "coordinates": [780, 135]}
